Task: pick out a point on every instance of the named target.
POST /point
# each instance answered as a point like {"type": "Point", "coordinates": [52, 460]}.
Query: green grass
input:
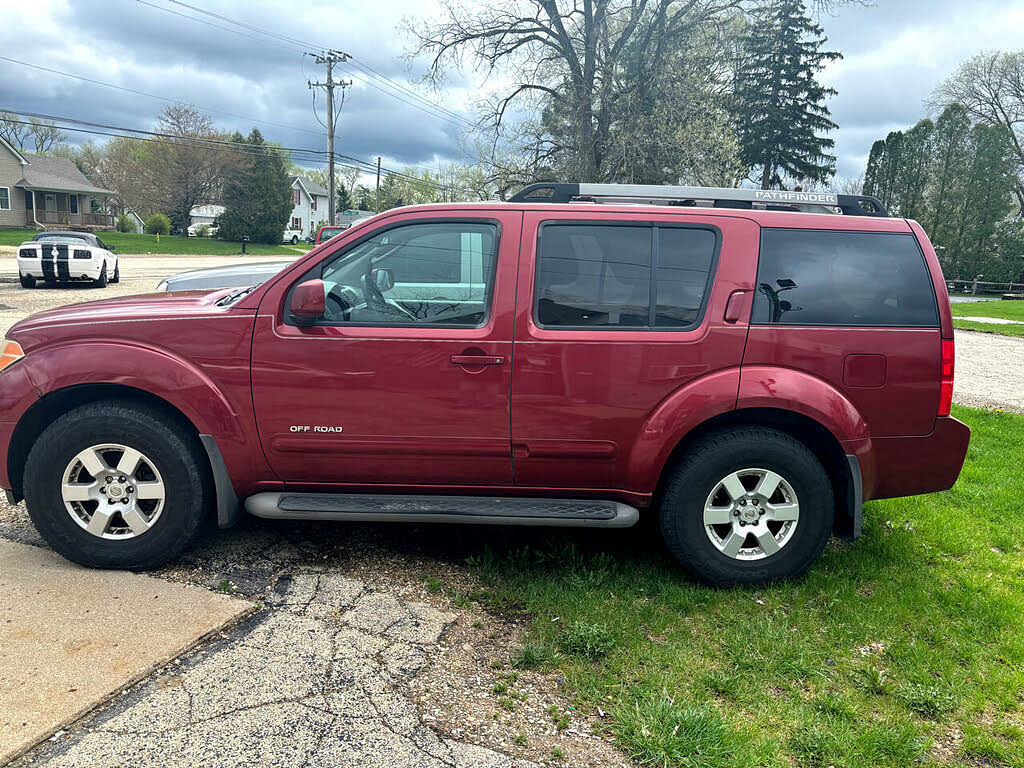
{"type": "Point", "coordinates": [888, 643]}
{"type": "Point", "coordinates": [1006, 309]}
{"type": "Point", "coordinates": [1003, 330]}
{"type": "Point", "coordinates": [125, 242]}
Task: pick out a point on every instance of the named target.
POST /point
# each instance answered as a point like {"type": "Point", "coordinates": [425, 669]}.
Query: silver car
{"type": "Point", "coordinates": [231, 276]}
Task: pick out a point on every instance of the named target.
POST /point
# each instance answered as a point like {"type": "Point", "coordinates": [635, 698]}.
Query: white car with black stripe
{"type": "Point", "coordinates": [67, 257]}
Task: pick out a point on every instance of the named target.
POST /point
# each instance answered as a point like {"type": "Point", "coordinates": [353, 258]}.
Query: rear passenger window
{"type": "Point", "coordinates": [623, 276]}
{"type": "Point", "coordinates": [808, 277]}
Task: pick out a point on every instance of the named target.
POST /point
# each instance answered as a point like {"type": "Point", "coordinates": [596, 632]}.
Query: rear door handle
{"type": "Point", "coordinates": [734, 307]}
{"type": "Point", "coordinates": [477, 360]}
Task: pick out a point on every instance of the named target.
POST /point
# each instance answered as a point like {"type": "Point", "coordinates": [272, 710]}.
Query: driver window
{"type": "Point", "coordinates": [418, 274]}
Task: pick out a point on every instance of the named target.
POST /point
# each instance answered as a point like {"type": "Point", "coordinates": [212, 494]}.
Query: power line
{"type": "Point", "coordinates": [155, 96]}
{"type": "Point", "coordinates": [309, 155]}
{"type": "Point", "coordinates": [435, 110]}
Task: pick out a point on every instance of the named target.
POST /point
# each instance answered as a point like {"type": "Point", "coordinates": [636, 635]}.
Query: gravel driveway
{"type": "Point", "coordinates": [989, 370]}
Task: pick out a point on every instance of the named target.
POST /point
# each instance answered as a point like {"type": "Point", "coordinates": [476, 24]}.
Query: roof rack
{"type": "Point", "coordinates": [715, 197]}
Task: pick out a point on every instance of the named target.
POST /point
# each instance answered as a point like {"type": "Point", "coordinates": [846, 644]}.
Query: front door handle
{"type": "Point", "coordinates": [477, 360]}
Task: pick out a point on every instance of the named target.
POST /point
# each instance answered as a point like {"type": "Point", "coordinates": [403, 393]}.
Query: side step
{"type": "Point", "coordinates": [442, 509]}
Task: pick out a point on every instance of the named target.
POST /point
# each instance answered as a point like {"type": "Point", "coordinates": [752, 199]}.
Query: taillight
{"type": "Point", "coordinates": [946, 384]}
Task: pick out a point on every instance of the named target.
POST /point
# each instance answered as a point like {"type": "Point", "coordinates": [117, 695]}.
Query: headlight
{"type": "Point", "coordinates": [162, 287]}
{"type": "Point", "coordinates": [10, 352]}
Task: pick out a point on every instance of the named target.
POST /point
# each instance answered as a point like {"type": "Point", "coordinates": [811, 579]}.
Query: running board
{"type": "Point", "coordinates": [442, 509]}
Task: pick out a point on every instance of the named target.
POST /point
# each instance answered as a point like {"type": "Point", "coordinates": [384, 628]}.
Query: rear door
{"type": "Point", "coordinates": [614, 314]}
{"type": "Point", "coordinates": [857, 309]}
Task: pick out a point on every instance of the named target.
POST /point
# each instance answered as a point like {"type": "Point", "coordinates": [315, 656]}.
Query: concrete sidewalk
{"type": "Point", "coordinates": [71, 636]}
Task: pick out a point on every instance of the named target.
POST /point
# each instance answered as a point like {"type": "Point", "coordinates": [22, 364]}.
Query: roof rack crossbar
{"type": "Point", "coordinates": [719, 197]}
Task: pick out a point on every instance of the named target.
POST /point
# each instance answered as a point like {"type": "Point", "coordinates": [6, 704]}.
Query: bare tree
{"type": "Point", "coordinates": [46, 135]}
{"type": "Point", "coordinates": [15, 131]}
{"type": "Point", "coordinates": [991, 87]}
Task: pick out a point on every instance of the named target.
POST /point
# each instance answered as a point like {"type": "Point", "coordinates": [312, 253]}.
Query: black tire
{"type": "Point", "coordinates": [101, 281]}
{"type": "Point", "coordinates": [295, 240]}
{"type": "Point", "coordinates": [117, 272]}
{"type": "Point", "coordinates": [175, 454]}
{"type": "Point", "coordinates": [705, 465]}
{"type": "Point", "coordinates": [27, 281]}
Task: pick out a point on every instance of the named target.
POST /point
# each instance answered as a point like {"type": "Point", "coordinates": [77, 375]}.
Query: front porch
{"type": "Point", "coordinates": [51, 208]}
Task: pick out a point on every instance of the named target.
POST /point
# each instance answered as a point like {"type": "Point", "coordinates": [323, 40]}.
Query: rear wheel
{"type": "Point", "coordinates": [295, 240]}
{"type": "Point", "coordinates": [747, 505]}
{"type": "Point", "coordinates": [101, 281]}
{"type": "Point", "coordinates": [27, 281]}
{"type": "Point", "coordinates": [110, 485]}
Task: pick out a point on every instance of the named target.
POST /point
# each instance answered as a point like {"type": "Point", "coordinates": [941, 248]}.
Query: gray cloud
{"type": "Point", "coordinates": [895, 54]}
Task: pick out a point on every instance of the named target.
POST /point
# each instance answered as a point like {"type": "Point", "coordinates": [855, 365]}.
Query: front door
{"type": "Point", "coordinates": [616, 314]}
{"type": "Point", "coordinates": [405, 380]}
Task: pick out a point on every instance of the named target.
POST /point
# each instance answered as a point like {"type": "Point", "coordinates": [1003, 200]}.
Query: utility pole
{"type": "Point", "coordinates": [376, 203]}
{"type": "Point", "coordinates": [330, 58]}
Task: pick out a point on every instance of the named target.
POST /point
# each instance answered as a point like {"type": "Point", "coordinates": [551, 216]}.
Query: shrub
{"type": "Point", "coordinates": [203, 230]}
{"type": "Point", "coordinates": [158, 224]}
{"type": "Point", "coordinates": [124, 223]}
{"type": "Point", "coordinates": [589, 640]}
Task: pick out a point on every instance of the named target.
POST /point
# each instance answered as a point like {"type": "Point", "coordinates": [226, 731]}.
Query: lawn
{"type": "Point", "coordinates": [1008, 310]}
{"type": "Point", "coordinates": [903, 648]}
{"type": "Point", "coordinates": [125, 242]}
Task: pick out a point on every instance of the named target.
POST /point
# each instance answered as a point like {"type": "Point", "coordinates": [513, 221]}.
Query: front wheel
{"type": "Point", "coordinates": [112, 485]}
{"type": "Point", "coordinates": [747, 506]}
{"type": "Point", "coordinates": [117, 273]}
{"type": "Point", "coordinates": [27, 281]}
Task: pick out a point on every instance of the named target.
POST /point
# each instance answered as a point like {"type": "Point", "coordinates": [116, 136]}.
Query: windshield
{"type": "Point", "coordinates": [328, 232]}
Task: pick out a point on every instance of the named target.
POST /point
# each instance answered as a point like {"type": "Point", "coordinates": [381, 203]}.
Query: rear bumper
{"type": "Point", "coordinates": [907, 466]}
{"type": "Point", "coordinates": [64, 269]}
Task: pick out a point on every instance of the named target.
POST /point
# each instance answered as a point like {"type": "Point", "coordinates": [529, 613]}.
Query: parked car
{"type": "Point", "coordinates": [67, 257]}
{"type": "Point", "coordinates": [291, 236]}
{"type": "Point", "coordinates": [232, 276]}
{"type": "Point", "coordinates": [201, 229]}
{"type": "Point", "coordinates": [747, 372]}
{"type": "Point", "coordinates": [326, 232]}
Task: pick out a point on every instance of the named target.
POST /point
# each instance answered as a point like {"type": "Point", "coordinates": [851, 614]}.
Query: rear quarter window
{"type": "Point", "coordinates": [814, 277]}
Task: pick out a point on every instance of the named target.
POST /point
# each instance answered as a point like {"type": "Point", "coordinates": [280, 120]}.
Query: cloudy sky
{"type": "Point", "coordinates": [894, 55]}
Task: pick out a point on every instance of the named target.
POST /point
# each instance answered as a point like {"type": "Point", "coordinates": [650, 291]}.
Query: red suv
{"type": "Point", "coordinates": [748, 366]}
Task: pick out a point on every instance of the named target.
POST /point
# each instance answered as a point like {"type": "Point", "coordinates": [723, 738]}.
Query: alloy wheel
{"type": "Point", "coordinates": [751, 514]}
{"type": "Point", "coordinates": [113, 491]}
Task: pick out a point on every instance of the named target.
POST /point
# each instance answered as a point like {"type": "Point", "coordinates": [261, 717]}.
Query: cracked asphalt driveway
{"type": "Point", "coordinates": [314, 680]}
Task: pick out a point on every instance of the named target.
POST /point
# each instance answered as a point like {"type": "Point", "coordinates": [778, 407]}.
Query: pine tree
{"type": "Point", "coordinates": [780, 104]}
{"type": "Point", "coordinates": [343, 198]}
{"type": "Point", "coordinates": [257, 195]}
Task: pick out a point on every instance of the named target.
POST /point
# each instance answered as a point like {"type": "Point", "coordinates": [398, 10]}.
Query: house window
{"type": "Point", "coordinates": [73, 204]}
{"type": "Point", "coordinates": [312, 203]}
{"type": "Point", "coordinates": [5, 198]}
{"type": "Point", "coordinates": [297, 196]}
{"type": "Point", "coordinates": [296, 222]}
{"type": "Point", "coordinates": [29, 203]}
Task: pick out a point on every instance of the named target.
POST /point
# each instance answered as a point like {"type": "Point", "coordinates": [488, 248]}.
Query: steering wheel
{"type": "Point", "coordinates": [344, 300]}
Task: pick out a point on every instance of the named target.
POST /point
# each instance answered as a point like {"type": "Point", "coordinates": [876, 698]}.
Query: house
{"type": "Point", "coordinates": [40, 190]}
{"type": "Point", "coordinates": [137, 223]}
{"type": "Point", "coordinates": [205, 214]}
{"type": "Point", "coordinates": [309, 205]}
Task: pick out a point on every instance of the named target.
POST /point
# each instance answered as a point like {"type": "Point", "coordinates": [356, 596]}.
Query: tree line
{"type": "Point", "coordinates": [707, 92]}
{"type": "Point", "coordinates": [961, 175]}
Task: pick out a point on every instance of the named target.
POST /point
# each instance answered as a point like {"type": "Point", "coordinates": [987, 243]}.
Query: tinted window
{"type": "Point", "coordinates": [594, 275]}
{"type": "Point", "coordinates": [440, 273]}
{"type": "Point", "coordinates": [685, 257]}
{"type": "Point", "coordinates": [808, 277]}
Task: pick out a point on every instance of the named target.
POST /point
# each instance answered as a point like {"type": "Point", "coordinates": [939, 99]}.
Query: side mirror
{"type": "Point", "coordinates": [384, 279]}
{"type": "Point", "coordinates": [309, 302]}
{"type": "Point", "coordinates": [109, 248]}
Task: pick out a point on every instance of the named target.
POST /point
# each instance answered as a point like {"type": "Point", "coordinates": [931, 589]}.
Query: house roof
{"type": "Point", "coordinates": [207, 210]}
{"type": "Point", "coordinates": [311, 187]}
{"type": "Point", "coordinates": [56, 174]}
